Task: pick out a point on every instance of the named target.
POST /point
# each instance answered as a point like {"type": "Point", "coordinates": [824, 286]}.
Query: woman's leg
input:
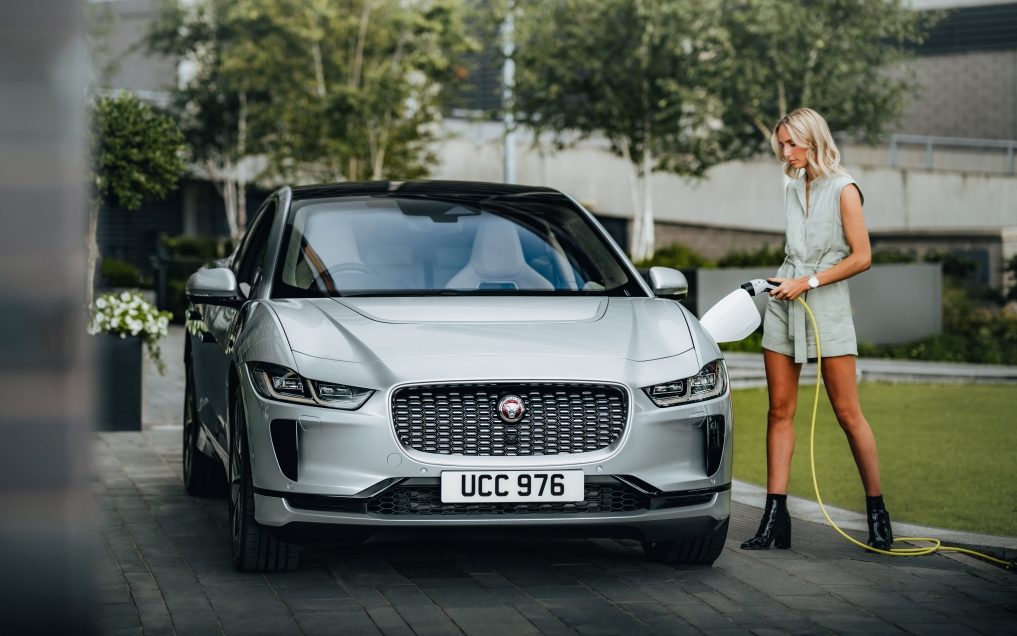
{"type": "Point", "coordinates": [842, 387]}
{"type": "Point", "coordinates": [782, 379]}
{"type": "Point", "coordinates": [782, 375]}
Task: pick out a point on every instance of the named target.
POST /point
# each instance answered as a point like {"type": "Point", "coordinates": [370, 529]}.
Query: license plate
{"type": "Point", "coordinates": [511, 485]}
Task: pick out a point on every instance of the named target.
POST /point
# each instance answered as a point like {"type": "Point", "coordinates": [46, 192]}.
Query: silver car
{"type": "Point", "coordinates": [391, 356]}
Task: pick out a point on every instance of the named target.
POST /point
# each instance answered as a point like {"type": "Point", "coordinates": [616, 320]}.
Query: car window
{"type": "Point", "coordinates": [394, 245]}
{"type": "Point", "coordinates": [251, 256]}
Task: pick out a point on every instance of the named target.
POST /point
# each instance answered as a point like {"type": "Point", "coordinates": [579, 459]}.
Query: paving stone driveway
{"type": "Point", "coordinates": [165, 569]}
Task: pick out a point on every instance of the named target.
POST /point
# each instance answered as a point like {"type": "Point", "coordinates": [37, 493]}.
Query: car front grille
{"type": "Point", "coordinates": [462, 419]}
{"type": "Point", "coordinates": [610, 496]}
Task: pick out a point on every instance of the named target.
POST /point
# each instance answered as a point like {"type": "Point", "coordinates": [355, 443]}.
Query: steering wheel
{"type": "Point", "coordinates": [354, 268]}
{"type": "Point", "coordinates": [355, 276]}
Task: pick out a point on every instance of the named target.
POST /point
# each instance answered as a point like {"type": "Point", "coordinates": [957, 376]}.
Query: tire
{"type": "Point", "coordinates": [701, 550]}
{"type": "Point", "coordinates": [254, 547]}
{"type": "Point", "coordinates": [203, 475]}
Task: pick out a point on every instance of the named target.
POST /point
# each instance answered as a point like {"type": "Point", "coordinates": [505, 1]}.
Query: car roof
{"type": "Point", "coordinates": [467, 191]}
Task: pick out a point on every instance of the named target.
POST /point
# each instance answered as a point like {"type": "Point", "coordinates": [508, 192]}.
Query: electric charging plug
{"type": "Point", "coordinates": [758, 286]}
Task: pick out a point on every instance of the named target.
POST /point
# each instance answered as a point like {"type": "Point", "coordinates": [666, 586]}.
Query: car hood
{"type": "Point", "coordinates": [368, 329]}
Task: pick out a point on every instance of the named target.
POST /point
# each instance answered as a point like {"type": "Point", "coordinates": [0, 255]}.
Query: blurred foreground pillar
{"type": "Point", "coordinates": [46, 519]}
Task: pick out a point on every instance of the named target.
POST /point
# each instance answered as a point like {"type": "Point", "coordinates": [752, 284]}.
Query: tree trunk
{"type": "Point", "coordinates": [378, 170]}
{"type": "Point", "coordinates": [93, 249]}
{"type": "Point", "coordinates": [319, 70]}
{"type": "Point", "coordinates": [634, 190]}
{"type": "Point", "coordinates": [643, 239]}
{"type": "Point", "coordinates": [358, 56]}
{"type": "Point", "coordinates": [241, 174]}
{"type": "Point", "coordinates": [224, 178]}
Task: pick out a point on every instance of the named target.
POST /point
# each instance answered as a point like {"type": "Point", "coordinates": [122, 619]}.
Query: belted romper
{"type": "Point", "coordinates": [815, 242]}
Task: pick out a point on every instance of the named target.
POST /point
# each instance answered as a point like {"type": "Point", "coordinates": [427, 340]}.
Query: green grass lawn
{"type": "Point", "coordinates": [948, 453]}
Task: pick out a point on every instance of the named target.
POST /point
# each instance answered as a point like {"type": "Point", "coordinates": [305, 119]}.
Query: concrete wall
{"type": "Point", "coordinates": [747, 195]}
{"type": "Point", "coordinates": [890, 304]}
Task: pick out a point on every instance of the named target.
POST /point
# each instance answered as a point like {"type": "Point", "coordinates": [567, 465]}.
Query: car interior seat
{"type": "Point", "coordinates": [497, 261]}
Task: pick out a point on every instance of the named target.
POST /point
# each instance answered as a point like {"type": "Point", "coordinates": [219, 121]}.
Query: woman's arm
{"type": "Point", "coordinates": [859, 260]}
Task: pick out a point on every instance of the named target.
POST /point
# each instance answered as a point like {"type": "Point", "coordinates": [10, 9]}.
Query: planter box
{"type": "Point", "coordinates": [118, 383]}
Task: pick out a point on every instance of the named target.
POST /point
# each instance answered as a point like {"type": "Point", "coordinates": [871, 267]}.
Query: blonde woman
{"type": "Point", "coordinates": [827, 243]}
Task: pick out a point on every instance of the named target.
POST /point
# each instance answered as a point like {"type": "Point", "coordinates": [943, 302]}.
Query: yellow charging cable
{"type": "Point", "coordinates": [937, 545]}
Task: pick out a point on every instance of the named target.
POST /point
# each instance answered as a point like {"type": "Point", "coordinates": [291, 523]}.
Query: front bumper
{"type": "Point", "coordinates": [345, 464]}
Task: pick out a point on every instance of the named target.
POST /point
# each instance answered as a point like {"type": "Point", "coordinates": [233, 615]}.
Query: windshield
{"type": "Point", "coordinates": [389, 246]}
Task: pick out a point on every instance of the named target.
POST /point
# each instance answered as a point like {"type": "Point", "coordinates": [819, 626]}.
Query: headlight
{"type": "Point", "coordinates": [710, 382]}
{"type": "Point", "coordinates": [286, 385]}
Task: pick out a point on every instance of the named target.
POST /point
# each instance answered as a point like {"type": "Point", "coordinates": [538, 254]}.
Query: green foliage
{"type": "Point", "coordinates": [639, 73]}
{"type": "Point", "coordinates": [676, 256]}
{"type": "Point", "coordinates": [203, 248]}
{"type": "Point", "coordinates": [117, 273]}
{"type": "Point", "coordinates": [752, 344]}
{"type": "Point", "coordinates": [765, 256]}
{"type": "Point", "coordinates": [183, 256]}
{"type": "Point", "coordinates": [137, 152]}
{"type": "Point", "coordinates": [944, 451]}
{"type": "Point", "coordinates": [891, 256]}
{"type": "Point", "coordinates": [323, 90]}
{"type": "Point", "coordinates": [956, 264]}
{"type": "Point", "coordinates": [839, 57]}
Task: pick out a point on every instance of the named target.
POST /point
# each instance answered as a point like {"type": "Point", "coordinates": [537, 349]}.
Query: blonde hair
{"type": "Point", "coordinates": [807, 128]}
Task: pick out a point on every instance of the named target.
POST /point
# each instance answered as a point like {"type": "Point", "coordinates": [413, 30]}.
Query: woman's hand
{"type": "Point", "coordinates": [789, 288]}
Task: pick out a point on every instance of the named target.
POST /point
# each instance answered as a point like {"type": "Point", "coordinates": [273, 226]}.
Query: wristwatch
{"type": "Point", "coordinates": [813, 281]}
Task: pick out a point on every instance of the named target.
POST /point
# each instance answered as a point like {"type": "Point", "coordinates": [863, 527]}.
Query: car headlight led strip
{"type": "Point", "coordinates": [710, 382]}
{"type": "Point", "coordinates": [276, 382]}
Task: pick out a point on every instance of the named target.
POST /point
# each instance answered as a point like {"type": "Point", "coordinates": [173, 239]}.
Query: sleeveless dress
{"type": "Point", "coordinates": [814, 243]}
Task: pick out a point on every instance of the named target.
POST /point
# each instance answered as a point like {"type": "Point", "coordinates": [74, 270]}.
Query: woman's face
{"type": "Point", "coordinates": [795, 155]}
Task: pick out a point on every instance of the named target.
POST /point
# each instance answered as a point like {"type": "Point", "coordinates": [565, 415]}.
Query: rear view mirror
{"type": "Point", "coordinates": [215, 286]}
{"type": "Point", "coordinates": [669, 283]}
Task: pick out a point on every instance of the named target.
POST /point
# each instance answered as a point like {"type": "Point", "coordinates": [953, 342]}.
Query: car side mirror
{"type": "Point", "coordinates": [668, 283]}
{"type": "Point", "coordinates": [214, 286]}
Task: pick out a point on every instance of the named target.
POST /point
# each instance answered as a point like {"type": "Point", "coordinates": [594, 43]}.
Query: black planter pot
{"type": "Point", "coordinates": [118, 383]}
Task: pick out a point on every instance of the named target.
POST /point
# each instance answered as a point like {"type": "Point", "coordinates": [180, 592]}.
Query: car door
{"type": "Point", "coordinates": [212, 351]}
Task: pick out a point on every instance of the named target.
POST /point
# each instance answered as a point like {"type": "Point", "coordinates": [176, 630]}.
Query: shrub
{"type": "Point", "coordinates": [890, 256]}
{"type": "Point", "coordinates": [182, 256]}
{"type": "Point", "coordinates": [973, 331]}
{"type": "Point", "coordinates": [676, 256]}
{"type": "Point", "coordinates": [117, 273]}
{"type": "Point", "coordinates": [765, 256]}
{"type": "Point", "coordinates": [752, 344]}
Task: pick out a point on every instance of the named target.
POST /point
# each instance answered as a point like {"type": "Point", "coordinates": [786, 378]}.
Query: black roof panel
{"type": "Point", "coordinates": [468, 190]}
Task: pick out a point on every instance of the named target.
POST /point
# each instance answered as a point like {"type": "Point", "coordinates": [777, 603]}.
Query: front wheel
{"type": "Point", "coordinates": [701, 550]}
{"type": "Point", "coordinates": [254, 547]}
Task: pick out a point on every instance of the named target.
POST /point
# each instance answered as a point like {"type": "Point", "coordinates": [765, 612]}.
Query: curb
{"type": "Point", "coordinates": [746, 371]}
{"type": "Point", "coordinates": [807, 510]}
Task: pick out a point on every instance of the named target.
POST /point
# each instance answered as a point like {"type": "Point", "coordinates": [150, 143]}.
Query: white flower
{"type": "Point", "coordinates": [128, 314]}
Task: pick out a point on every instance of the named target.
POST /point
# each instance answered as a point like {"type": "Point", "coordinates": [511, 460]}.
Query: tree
{"type": "Point", "coordinates": [136, 159]}
{"type": "Point", "coordinates": [321, 90]}
{"type": "Point", "coordinates": [638, 72]}
{"type": "Point", "coordinates": [211, 103]}
{"type": "Point", "coordinates": [681, 86]}
{"type": "Point", "coordinates": [843, 58]}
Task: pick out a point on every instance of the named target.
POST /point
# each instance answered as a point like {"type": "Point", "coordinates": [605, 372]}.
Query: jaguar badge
{"type": "Point", "coordinates": [511, 409]}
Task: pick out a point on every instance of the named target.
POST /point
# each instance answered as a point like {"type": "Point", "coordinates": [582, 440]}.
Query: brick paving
{"type": "Point", "coordinates": [164, 568]}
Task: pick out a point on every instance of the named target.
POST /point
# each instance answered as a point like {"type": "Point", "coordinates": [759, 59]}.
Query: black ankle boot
{"type": "Point", "coordinates": [880, 531]}
{"type": "Point", "coordinates": [774, 528]}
